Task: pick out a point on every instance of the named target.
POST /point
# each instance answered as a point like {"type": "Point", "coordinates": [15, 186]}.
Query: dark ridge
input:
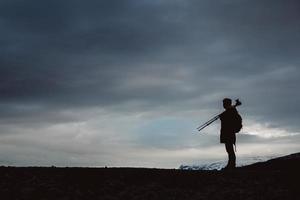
{"type": "Point", "coordinates": [289, 162]}
{"type": "Point", "coordinates": [28, 183]}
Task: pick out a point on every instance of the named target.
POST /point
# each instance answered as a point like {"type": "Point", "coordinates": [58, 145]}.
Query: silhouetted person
{"type": "Point", "coordinates": [228, 129]}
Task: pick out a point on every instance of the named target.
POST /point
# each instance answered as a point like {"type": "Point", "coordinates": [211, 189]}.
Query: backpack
{"type": "Point", "coordinates": [238, 123]}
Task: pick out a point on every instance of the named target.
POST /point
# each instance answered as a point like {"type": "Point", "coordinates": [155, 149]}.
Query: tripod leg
{"type": "Point", "coordinates": [207, 123]}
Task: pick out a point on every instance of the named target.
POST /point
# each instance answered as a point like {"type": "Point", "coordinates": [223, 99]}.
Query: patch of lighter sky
{"type": "Point", "coordinates": [266, 131]}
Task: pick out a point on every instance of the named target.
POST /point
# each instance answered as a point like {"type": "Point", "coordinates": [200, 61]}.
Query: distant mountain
{"type": "Point", "coordinates": [248, 162]}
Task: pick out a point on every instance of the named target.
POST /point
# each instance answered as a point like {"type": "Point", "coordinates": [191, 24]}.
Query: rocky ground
{"type": "Point", "coordinates": [258, 181]}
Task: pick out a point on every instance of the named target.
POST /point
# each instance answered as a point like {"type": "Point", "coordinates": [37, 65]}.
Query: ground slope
{"type": "Point", "coordinates": [259, 181]}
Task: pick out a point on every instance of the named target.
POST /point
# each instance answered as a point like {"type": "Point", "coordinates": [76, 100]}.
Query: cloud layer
{"type": "Point", "coordinates": [138, 76]}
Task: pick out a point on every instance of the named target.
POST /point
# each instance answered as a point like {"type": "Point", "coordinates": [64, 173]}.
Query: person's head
{"type": "Point", "coordinates": [227, 103]}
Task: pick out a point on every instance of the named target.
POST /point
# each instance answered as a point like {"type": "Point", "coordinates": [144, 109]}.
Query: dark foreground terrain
{"type": "Point", "coordinates": [275, 179]}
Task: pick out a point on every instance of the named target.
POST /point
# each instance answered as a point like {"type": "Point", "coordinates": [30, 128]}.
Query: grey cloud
{"type": "Point", "coordinates": [245, 138]}
{"type": "Point", "coordinates": [156, 56]}
{"type": "Point", "coordinates": [55, 63]}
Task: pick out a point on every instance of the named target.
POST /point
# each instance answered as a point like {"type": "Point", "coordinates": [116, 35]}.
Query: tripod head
{"type": "Point", "coordinates": [237, 103]}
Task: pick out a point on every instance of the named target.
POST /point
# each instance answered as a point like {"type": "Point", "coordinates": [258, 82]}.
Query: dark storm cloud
{"type": "Point", "coordinates": [70, 54]}
{"type": "Point", "coordinates": [64, 49]}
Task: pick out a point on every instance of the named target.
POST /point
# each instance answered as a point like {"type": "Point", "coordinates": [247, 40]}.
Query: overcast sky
{"type": "Point", "coordinates": [126, 83]}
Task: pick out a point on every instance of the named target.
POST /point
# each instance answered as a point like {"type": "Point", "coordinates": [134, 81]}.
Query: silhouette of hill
{"type": "Point", "coordinates": [290, 162]}
{"type": "Point", "coordinates": [218, 165]}
{"type": "Point", "coordinates": [275, 179]}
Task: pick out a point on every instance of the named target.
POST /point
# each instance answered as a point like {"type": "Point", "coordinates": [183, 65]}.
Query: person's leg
{"type": "Point", "coordinates": [231, 155]}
